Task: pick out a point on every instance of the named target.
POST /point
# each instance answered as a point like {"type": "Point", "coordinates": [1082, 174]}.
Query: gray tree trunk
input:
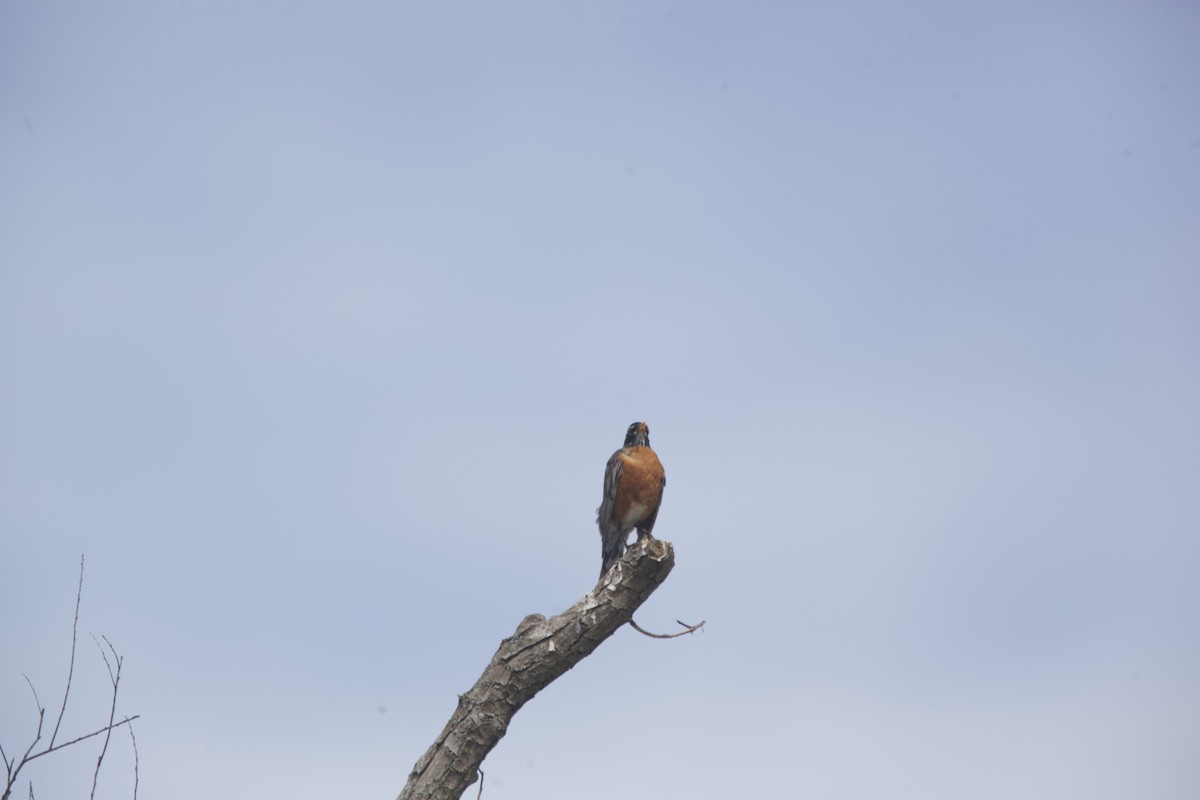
{"type": "Point", "coordinates": [538, 652]}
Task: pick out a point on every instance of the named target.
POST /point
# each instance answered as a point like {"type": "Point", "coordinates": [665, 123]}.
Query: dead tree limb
{"type": "Point", "coordinates": [538, 652]}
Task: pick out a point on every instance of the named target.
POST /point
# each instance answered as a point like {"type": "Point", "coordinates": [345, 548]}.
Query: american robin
{"type": "Point", "coordinates": [633, 489]}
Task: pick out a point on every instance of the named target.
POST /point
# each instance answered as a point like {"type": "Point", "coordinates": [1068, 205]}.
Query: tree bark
{"type": "Point", "coordinates": [538, 652]}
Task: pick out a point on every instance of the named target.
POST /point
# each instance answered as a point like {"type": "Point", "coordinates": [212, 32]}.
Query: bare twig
{"type": "Point", "coordinates": [37, 701]}
{"type": "Point", "coordinates": [479, 795]}
{"type": "Point", "coordinates": [31, 756]}
{"type": "Point", "coordinates": [104, 655]}
{"type": "Point", "coordinates": [8, 764]}
{"type": "Point", "coordinates": [85, 737]}
{"type": "Point", "coordinates": [112, 712]}
{"type": "Point", "coordinates": [37, 737]}
{"type": "Point", "coordinates": [689, 629]}
{"type": "Point", "coordinates": [133, 739]}
{"type": "Point", "coordinates": [71, 663]}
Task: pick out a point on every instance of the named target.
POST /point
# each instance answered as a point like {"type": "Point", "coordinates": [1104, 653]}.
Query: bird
{"type": "Point", "coordinates": [633, 488]}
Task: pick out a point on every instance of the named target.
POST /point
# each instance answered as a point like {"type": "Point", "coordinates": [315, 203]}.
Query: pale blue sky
{"type": "Point", "coordinates": [318, 324]}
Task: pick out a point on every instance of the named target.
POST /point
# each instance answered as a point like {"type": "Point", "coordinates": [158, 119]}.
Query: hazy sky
{"type": "Point", "coordinates": [319, 322]}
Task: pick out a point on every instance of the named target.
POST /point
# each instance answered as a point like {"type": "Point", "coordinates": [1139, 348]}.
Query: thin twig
{"type": "Point", "coordinates": [135, 760]}
{"type": "Point", "coordinates": [36, 700]}
{"type": "Point", "coordinates": [104, 655]}
{"type": "Point", "coordinates": [689, 629]}
{"type": "Point", "coordinates": [11, 771]}
{"type": "Point", "coordinates": [71, 665]}
{"type": "Point", "coordinates": [37, 737]}
{"type": "Point", "coordinates": [112, 713]}
{"type": "Point", "coordinates": [480, 795]}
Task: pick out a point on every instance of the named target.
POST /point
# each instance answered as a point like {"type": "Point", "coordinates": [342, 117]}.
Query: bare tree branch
{"type": "Point", "coordinates": [85, 737]}
{"type": "Point", "coordinates": [538, 652]}
{"type": "Point", "coordinates": [31, 756]}
{"type": "Point", "coordinates": [13, 766]}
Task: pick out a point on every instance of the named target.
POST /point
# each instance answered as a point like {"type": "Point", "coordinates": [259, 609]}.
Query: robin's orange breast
{"type": "Point", "coordinates": [640, 489]}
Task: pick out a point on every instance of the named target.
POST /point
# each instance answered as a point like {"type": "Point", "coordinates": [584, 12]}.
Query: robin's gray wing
{"type": "Point", "coordinates": [612, 540]}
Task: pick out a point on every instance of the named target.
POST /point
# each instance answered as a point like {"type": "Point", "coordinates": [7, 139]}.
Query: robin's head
{"type": "Point", "coordinates": [638, 435]}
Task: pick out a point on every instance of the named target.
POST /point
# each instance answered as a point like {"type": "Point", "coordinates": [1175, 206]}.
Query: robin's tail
{"type": "Point", "coordinates": [612, 547]}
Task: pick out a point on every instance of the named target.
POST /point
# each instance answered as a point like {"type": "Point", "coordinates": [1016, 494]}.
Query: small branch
{"type": "Point", "coordinates": [133, 739]}
{"type": "Point", "coordinates": [11, 773]}
{"type": "Point", "coordinates": [71, 665]}
{"type": "Point", "coordinates": [479, 794]}
{"type": "Point", "coordinates": [79, 739]}
{"type": "Point", "coordinates": [37, 737]}
{"type": "Point", "coordinates": [112, 712]}
{"type": "Point", "coordinates": [689, 629]}
{"type": "Point", "coordinates": [13, 766]}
